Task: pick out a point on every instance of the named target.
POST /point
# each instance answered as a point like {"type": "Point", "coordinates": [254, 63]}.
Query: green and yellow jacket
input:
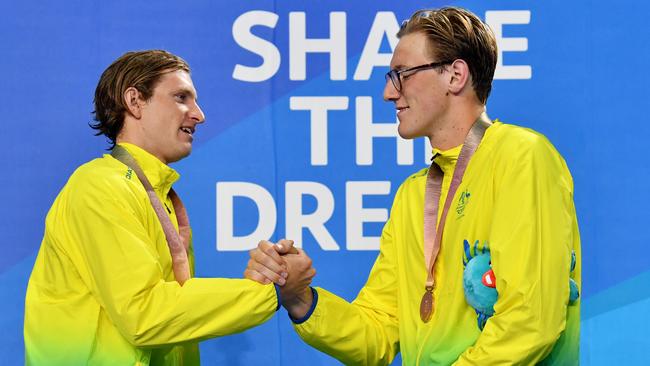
{"type": "Point", "coordinates": [102, 291]}
{"type": "Point", "coordinates": [517, 198]}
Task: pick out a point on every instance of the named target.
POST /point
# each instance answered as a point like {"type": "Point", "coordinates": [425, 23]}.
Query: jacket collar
{"type": "Point", "coordinates": [447, 159]}
{"type": "Point", "coordinates": [160, 175]}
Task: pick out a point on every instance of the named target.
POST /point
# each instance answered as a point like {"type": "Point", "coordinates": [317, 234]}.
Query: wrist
{"type": "Point", "coordinates": [298, 306]}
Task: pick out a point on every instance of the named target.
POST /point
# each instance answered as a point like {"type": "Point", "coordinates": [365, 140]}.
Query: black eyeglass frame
{"type": "Point", "coordinates": [395, 75]}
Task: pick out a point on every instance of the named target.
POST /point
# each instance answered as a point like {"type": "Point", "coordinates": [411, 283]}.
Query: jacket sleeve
{"type": "Point", "coordinates": [117, 260]}
{"type": "Point", "coordinates": [364, 332]}
{"type": "Point", "coordinates": [531, 239]}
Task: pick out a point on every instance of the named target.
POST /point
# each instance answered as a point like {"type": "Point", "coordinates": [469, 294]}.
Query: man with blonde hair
{"type": "Point", "coordinates": [491, 187]}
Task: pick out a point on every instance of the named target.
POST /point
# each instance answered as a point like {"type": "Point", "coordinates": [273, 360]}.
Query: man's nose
{"type": "Point", "coordinates": [197, 114]}
{"type": "Point", "coordinates": [390, 92]}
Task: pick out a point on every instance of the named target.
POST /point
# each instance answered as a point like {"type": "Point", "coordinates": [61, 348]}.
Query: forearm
{"type": "Point", "coordinates": [299, 306]}
{"type": "Point", "coordinates": [201, 308]}
{"type": "Point", "coordinates": [352, 334]}
{"type": "Point", "coordinates": [117, 261]}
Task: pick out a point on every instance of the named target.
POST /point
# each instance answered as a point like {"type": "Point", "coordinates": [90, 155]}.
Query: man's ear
{"type": "Point", "coordinates": [133, 102]}
{"type": "Point", "coordinates": [460, 76]}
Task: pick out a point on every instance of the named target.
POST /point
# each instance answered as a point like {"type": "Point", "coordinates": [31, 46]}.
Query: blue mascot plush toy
{"type": "Point", "coordinates": [479, 281]}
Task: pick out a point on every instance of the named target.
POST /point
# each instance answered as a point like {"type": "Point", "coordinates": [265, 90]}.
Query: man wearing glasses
{"type": "Point", "coordinates": [492, 188]}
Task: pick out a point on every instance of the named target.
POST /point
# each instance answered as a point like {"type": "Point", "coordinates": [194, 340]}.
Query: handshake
{"type": "Point", "coordinates": [288, 267]}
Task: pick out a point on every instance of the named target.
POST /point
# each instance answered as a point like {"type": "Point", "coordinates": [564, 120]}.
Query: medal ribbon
{"type": "Point", "coordinates": [433, 234]}
{"type": "Point", "coordinates": [178, 242]}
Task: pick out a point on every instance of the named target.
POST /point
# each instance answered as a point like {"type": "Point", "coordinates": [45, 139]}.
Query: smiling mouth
{"type": "Point", "coordinates": [401, 109]}
{"type": "Point", "coordinates": [187, 130]}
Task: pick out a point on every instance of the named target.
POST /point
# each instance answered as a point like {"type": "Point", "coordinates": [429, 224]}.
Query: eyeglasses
{"type": "Point", "coordinates": [395, 76]}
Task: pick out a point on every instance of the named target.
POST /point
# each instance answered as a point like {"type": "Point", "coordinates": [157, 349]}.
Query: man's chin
{"type": "Point", "coordinates": [180, 155]}
{"type": "Point", "coordinates": [405, 133]}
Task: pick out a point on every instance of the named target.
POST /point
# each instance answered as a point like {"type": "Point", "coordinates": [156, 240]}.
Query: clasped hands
{"type": "Point", "coordinates": [288, 267]}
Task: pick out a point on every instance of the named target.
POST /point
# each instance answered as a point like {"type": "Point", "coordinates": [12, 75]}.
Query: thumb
{"type": "Point", "coordinates": [285, 246]}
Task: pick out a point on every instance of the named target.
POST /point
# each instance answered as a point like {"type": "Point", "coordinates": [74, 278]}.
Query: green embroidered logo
{"type": "Point", "coordinates": [128, 173]}
{"type": "Point", "coordinates": [463, 200]}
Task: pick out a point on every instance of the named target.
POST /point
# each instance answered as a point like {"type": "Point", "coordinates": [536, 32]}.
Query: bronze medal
{"type": "Point", "coordinates": [426, 305]}
{"type": "Point", "coordinates": [433, 189]}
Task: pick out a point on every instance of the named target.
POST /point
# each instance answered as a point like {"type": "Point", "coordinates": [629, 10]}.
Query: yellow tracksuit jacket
{"type": "Point", "coordinates": [516, 196]}
{"type": "Point", "coordinates": [102, 291]}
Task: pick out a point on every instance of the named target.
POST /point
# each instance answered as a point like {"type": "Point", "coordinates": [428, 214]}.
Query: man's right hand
{"type": "Point", "coordinates": [286, 266]}
{"type": "Point", "coordinates": [266, 264]}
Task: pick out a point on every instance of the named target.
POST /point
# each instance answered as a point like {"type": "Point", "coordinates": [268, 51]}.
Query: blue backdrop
{"type": "Point", "coordinates": [300, 141]}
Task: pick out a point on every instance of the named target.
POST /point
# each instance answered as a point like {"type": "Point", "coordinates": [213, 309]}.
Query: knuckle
{"type": "Point", "coordinates": [254, 254]}
{"type": "Point", "coordinates": [270, 274]}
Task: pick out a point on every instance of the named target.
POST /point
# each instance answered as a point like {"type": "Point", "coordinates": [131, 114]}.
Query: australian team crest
{"type": "Point", "coordinates": [463, 200]}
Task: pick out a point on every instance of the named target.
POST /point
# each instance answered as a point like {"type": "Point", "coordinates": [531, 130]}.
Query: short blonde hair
{"type": "Point", "coordinates": [456, 33]}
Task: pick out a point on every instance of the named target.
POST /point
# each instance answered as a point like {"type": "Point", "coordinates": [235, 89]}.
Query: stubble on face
{"type": "Point", "coordinates": [170, 116]}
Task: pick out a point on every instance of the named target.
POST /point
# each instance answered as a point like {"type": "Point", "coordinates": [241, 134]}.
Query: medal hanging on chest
{"type": "Point", "coordinates": [432, 231]}
{"type": "Point", "coordinates": [178, 242]}
{"type": "Point", "coordinates": [426, 304]}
